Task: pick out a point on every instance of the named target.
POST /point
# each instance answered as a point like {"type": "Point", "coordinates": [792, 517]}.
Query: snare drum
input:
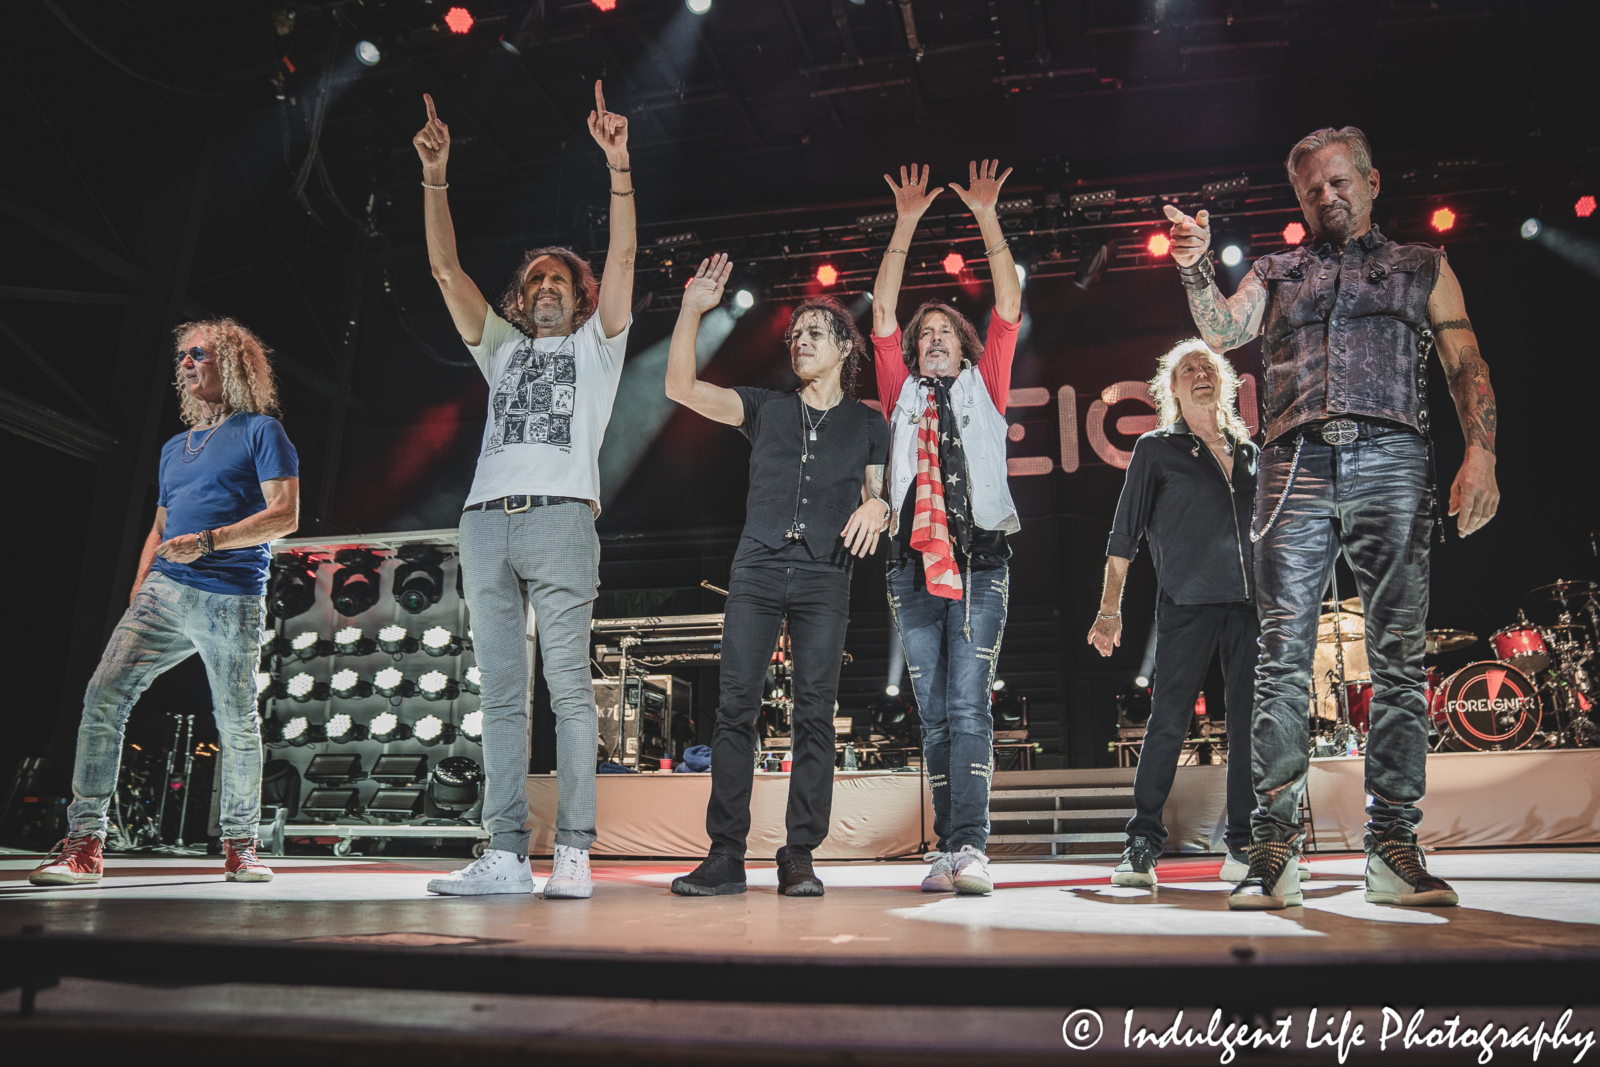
{"type": "Point", "coordinates": [1522, 646]}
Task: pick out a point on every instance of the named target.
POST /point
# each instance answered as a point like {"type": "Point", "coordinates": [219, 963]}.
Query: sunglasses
{"type": "Point", "coordinates": [197, 353]}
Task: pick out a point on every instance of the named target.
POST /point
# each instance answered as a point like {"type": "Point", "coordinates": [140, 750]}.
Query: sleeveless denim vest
{"type": "Point", "coordinates": [1342, 329]}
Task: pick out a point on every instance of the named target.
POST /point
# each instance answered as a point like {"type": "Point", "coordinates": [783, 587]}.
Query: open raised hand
{"type": "Point", "coordinates": [433, 140]}
{"type": "Point", "coordinates": [983, 188]}
{"type": "Point", "coordinates": [705, 288]}
{"type": "Point", "coordinates": [912, 196]}
{"type": "Point", "coordinates": [609, 129]}
{"type": "Point", "coordinates": [1190, 236]}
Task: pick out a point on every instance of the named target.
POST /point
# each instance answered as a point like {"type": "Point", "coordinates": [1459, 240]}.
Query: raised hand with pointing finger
{"type": "Point", "coordinates": [609, 130]}
{"type": "Point", "coordinates": [432, 142]}
{"type": "Point", "coordinates": [1190, 236]}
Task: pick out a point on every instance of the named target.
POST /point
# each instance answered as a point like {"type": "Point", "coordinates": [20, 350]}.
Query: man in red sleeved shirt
{"type": "Point", "coordinates": [945, 395]}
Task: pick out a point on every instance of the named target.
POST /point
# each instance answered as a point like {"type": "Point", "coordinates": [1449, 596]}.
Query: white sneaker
{"type": "Point", "coordinates": [498, 871]}
{"type": "Point", "coordinates": [938, 879]}
{"type": "Point", "coordinates": [969, 869]}
{"type": "Point", "coordinates": [569, 879]}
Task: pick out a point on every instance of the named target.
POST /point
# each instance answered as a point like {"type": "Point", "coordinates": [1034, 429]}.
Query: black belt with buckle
{"type": "Point", "coordinates": [512, 505]}
{"type": "Point", "coordinates": [1345, 430]}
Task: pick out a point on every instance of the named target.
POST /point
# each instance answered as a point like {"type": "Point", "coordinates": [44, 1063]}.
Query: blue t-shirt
{"type": "Point", "coordinates": [219, 487]}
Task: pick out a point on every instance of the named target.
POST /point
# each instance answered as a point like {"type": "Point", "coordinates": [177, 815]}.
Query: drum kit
{"type": "Point", "coordinates": [1538, 691]}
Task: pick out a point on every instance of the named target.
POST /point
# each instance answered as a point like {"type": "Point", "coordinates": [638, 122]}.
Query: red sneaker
{"type": "Point", "coordinates": [74, 861]}
{"type": "Point", "coordinates": [242, 865]}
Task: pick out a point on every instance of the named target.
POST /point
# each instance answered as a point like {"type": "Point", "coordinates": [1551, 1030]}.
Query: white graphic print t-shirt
{"type": "Point", "coordinates": [549, 401]}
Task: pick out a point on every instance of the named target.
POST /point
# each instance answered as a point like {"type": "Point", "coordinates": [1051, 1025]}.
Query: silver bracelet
{"type": "Point", "coordinates": [1004, 243]}
{"type": "Point", "coordinates": [896, 251]}
{"type": "Point", "coordinates": [619, 170]}
{"type": "Point", "coordinates": [446, 185]}
{"type": "Point", "coordinates": [1108, 618]}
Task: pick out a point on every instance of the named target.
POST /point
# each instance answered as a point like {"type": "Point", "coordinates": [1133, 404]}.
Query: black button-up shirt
{"type": "Point", "coordinates": [813, 497]}
{"type": "Point", "coordinates": [1197, 522]}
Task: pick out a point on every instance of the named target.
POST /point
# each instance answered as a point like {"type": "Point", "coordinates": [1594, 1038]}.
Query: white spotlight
{"type": "Point", "coordinates": [999, 684]}
{"type": "Point", "coordinates": [745, 299]}
{"type": "Point", "coordinates": [1232, 256]}
{"type": "Point", "coordinates": [1022, 274]}
{"type": "Point", "coordinates": [368, 53]}
{"type": "Point", "coordinates": [1142, 682]}
{"type": "Point", "coordinates": [1531, 229]}
{"type": "Point", "coordinates": [699, 7]}
{"type": "Point", "coordinates": [891, 690]}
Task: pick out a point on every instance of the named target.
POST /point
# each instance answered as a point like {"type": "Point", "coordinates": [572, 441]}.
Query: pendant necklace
{"type": "Point", "coordinates": [805, 409]}
{"type": "Point", "coordinates": [190, 453]}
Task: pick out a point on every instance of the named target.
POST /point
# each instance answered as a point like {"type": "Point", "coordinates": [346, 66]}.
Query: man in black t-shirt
{"type": "Point", "coordinates": [816, 471]}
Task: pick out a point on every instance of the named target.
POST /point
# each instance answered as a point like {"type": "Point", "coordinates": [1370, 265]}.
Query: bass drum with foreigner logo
{"type": "Point", "coordinates": [1489, 706]}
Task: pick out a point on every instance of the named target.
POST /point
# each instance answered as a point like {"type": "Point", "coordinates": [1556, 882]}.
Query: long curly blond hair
{"type": "Point", "coordinates": [1227, 381]}
{"type": "Point", "coordinates": [242, 359]}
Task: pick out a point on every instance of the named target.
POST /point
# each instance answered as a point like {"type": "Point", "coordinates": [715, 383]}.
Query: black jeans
{"type": "Point", "coordinates": [817, 604]}
{"type": "Point", "coordinates": [1186, 636]}
{"type": "Point", "coordinates": [1368, 499]}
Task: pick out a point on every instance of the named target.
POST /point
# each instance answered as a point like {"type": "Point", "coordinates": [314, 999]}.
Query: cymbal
{"type": "Point", "coordinates": [1562, 590]}
{"type": "Point", "coordinates": [1350, 605]}
{"type": "Point", "coordinates": [1351, 628]}
{"type": "Point", "coordinates": [1448, 641]}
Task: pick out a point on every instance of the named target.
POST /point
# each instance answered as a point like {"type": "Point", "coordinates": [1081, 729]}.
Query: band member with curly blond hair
{"type": "Point", "coordinates": [228, 484]}
{"type": "Point", "coordinates": [950, 510]}
{"type": "Point", "coordinates": [1189, 489]}
{"type": "Point", "coordinates": [552, 358]}
{"type": "Point", "coordinates": [815, 453]}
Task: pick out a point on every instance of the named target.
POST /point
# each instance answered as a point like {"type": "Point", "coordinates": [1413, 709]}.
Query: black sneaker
{"type": "Point", "coordinates": [1273, 880]}
{"type": "Point", "coordinates": [1138, 866]}
{"type": "Point", "coordinates": [1397, 874]}
{"type": "Point", "coordinates": [795, 876]}
{"type": "Point", "coordinates": [717, 876]}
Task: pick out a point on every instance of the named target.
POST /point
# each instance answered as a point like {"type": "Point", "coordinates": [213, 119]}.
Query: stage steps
{"type": "Point", "coordinates": [1083, 814]}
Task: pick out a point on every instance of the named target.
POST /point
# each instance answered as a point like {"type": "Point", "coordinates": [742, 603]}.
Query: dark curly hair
{"type": "Point", "coordinates": [966, 334]}
{"type": "Point", "coordinates": [586, 291]}
{"type": "Point", "coordinates": [842, 328]}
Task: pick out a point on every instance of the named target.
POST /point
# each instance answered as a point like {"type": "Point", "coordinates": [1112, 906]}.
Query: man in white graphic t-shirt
{"type": "Point", "coordinates": [552, 358]}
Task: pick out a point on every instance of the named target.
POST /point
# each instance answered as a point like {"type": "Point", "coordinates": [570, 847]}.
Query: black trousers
{"type": "Point", "coordinates": [817, 605]}
{"type": "Point", "coordinates": [1186, 637]}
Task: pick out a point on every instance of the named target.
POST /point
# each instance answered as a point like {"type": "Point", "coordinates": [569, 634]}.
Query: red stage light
{"type": "Point", "coordinates": [1159, 244]}
{"type": "Point", "coordinates": [1294, 233]}
{"type": "Point", "coordinates": [1442, 219]}
{"type": "Point", "coordinates": [1584, 207]}
{"type": "Point", "coordinates": [605, 5]}
{"type": "Point", "coordinates": [826, 274]}
{"type": "Point", "coordinates": [953, 263]}
{"type": "Point", "coordinates": [459, 19]}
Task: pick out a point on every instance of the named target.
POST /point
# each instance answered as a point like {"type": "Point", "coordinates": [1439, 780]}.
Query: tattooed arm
{"type": "Point", "coordinates": [1474, 496]}
{"type": "Point", "coordinates": [871, 518]}
{"type": "Point", "coordinates": [1225, 322]}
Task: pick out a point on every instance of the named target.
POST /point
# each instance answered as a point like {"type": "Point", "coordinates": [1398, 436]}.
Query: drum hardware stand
{"type": "Point", "coordinates": [1344, 733]}
{"type": "Point", "coordinates": [172, 765]}
{"type": "Point", "coordinates": [188, 777]}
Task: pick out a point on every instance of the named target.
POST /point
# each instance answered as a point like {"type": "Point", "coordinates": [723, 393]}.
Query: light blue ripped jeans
{"type": "Point", "coordinates": [166, 624]}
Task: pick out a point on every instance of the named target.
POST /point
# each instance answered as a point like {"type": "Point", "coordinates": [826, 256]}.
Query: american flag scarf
{"type": "Point", "coordinates": [941, 523]}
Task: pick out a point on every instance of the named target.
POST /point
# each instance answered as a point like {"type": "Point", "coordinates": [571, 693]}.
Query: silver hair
{"type": "Point", "coordinates": [1349, 136]}
{"type": "Point", "coordinates": [1227, 388]}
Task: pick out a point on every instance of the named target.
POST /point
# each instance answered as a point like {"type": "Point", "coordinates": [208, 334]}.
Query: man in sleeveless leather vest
{"type": "Point", "coordinates": [1346, 322]}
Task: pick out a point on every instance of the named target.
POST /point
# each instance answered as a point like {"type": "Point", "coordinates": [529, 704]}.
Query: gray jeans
{"type": "Point", "coordinates": [166, 624]}
{"type": "Point", "coordinates": [553, 553]}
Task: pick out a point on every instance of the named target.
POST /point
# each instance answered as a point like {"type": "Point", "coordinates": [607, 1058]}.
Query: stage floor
{"type": "Point", "coordinates": [1053, 936]}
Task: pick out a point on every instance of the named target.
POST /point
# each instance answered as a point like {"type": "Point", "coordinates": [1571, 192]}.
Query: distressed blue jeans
{"type": "Point", "coordinates": [166, 624]}
{"type": "Point", "coordinates": [1368, 500]}
{"type": "Point", "coordinates": [952, 647]}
